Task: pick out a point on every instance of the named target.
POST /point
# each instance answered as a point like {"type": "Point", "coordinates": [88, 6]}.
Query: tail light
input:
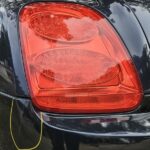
{"type": "Point", "coordinates": [75, 62]}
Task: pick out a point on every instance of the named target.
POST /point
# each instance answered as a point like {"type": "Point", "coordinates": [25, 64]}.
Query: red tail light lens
{"type": "Point", "coordinates": [75, 62]}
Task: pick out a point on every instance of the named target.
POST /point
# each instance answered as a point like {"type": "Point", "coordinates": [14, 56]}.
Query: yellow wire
{"type": "Point", "coordinates": [12, 136]}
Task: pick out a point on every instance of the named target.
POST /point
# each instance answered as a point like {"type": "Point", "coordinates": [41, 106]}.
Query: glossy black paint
{"type": "Point", "coordinates": [130, 132]}
{"type": "Point", "coordinates": [141, 9]}
{"type": "Point", "coordinates": [11, 57]}
{"type": "Point", "coordinates": [21, 124]}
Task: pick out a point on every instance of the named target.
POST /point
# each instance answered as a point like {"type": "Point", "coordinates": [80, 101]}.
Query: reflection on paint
{"type": "Point", "coordinates": [12, 136]}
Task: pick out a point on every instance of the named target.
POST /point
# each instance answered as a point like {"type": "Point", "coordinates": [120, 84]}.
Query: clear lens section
{"type": "Point", "coordinates": [75, 62]}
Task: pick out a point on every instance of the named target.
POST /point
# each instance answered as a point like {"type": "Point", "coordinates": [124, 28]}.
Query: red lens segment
{"type": "Point", "coordinates": [75, 62]}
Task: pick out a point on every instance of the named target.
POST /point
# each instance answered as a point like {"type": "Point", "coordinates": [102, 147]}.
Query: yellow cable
{"type": "Point", "coordinates": [12, 136]}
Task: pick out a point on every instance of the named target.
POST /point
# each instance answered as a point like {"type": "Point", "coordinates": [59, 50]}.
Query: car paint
{"type": "Point", "coordinates": [24, 127]}
{"type": "Point", "coordinates": [142, 11]}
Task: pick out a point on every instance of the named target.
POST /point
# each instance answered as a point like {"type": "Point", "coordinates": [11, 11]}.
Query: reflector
{"type": "Point", "coordinates": [75, 62]}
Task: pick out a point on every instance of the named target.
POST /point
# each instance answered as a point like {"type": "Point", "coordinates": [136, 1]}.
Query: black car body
{"type": "Point", "coordinates": [24, 127]}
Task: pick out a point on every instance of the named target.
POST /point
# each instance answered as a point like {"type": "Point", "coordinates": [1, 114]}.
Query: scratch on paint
{"type": "Point", "coordinates": [12, 136]}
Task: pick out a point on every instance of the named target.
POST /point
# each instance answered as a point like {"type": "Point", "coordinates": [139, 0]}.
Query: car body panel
{"type": "Point", "coordinates": [141, 9]}
{"type": "Point", "coordinates": [21, 129]}
{"type": "Point", "coordinates": [24, 127]}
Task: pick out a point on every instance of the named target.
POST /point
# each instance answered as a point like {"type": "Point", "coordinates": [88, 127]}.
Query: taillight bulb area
{"type": "Point", "coordinates": [75, 61]}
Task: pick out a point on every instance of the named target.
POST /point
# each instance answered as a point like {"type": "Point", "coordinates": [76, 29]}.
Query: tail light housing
{"type": "Point", "coordinates": [75, 61]}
